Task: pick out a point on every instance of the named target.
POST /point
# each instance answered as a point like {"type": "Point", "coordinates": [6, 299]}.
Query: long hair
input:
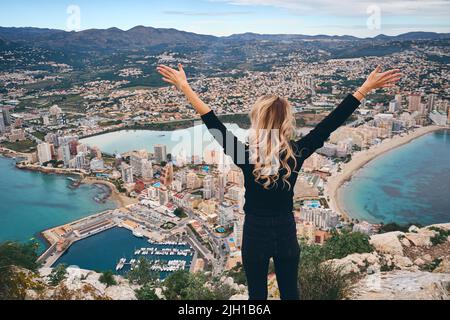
{"type": "Point", "coordinates": [272, 128]}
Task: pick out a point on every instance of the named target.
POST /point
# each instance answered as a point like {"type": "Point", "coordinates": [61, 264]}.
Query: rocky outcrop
{"type": "Point", "coordinates": [403, 285]}
{"type": "Point", "coordinates": [388, 242]}
{"type": "Point", "coordinates": [402, 266]}
{"type": "Point", "coordinates": [82, 285]}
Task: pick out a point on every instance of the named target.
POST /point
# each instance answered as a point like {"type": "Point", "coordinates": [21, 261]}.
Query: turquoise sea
{"type": "Point", "coordinates": [31, 202]}
{"type": "Point", "coordinates": [407, 184]}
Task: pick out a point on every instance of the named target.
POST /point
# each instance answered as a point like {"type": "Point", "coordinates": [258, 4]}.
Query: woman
{"type": "Point", "coordinates": [270, 163]}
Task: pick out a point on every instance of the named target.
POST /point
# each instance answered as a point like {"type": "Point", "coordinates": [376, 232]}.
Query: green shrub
{"type": "Point", "coordinates": [318, 280]}
{"type": "Point", "coordinates": [392, 226]}
{"type": "Point", "coordinates": [58, 274]}
{"type": "Point", "coordinates": [441, 236]}
{"type": "Point", "coordinates": [182, 285]}
{"type": "Point", "coordinates": [343, 244]}
{"type": "Point", "coordinates": [107, 278]}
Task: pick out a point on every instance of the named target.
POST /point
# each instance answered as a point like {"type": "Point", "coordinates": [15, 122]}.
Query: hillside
{"type": "Point", "coordinates": [141, 38]}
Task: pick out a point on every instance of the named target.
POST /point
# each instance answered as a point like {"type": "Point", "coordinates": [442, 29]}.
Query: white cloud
{"type": "Point", "coordinates": [352, 7]}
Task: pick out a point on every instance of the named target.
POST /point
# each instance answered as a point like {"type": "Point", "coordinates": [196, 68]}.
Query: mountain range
{"type": "Point", "coordinates": [141, 37]}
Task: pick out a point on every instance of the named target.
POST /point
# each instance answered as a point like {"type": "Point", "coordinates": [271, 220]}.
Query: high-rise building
{"type": "Point", "coordinates": [167, 174]}
{"type": "Point", "coordinates": [52, 138]}
{"type": "Point", "coordinates": [2, 124]}
{"type": "Point", "coordinates": [238, 230]}
{"type": "Point", "coordinates": [414, 102]}
{"type": "Point", "coordinates": [220, 195]}
{"type": "Point", "coordinates": [6, 115]}
{"type": "Point", "coordinates": [81, 161]}
{"type": "Point", "coordinates": [160, 153]}
{"type": "Point", "coordinates": [163, 195]}
{"type": "Point", "coordinates": [181, 176]}
{"type": "Point", "coordinates": [393, 106]}
{"type": "Point", "coordinates": [44, 152]}
{"type": "Point", "coordinates": [321, 218]}
{"type": "Point", "coordinates": [226, 214]}
{"type": "Point", "coordinates": [399, 100]}
{"type": "Point", "coordinates": [65, 154]}
{"type": "Point", "coordinates": [192, 180]}
{"type": "Point", "coordinates": [73, 147]}
{"type": "Point", "coordinates": [448, 118]}
{"type": "Point", "coordinates": [208, 187]}
{"type": "Point", "coordinates": [146, 169]}
{"type": "Point", "coordinates": [430, 103]}
{"type": "Point", "coordinates": [127, 173]}
{"type": "Point", "coordinates": [136, 161]}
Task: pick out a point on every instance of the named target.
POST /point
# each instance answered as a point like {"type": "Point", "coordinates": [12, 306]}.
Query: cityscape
{"type": "Point", "coordinates": [93, 115]}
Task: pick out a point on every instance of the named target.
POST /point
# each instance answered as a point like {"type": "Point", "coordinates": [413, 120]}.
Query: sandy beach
{"type": "Point", "coordinates": [120, 199]}
{"type": "Point", "coordinates": [359, 159]}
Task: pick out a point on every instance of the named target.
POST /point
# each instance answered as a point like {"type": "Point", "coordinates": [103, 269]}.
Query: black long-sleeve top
{"type": "Point", "coordinates": [278, 199]}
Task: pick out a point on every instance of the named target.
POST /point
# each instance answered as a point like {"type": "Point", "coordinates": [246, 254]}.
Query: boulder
{"type": "Point", "coordinates": [120, 292]}
{"type": "Point", "coordinates": [419, 262]}
{"type": "Point", "coordinates": [421, 238]}
{"type": "Point", "coordinates": [444, 266]}
{"type": "Point", "coordinates": [405, 242]}
{"type": "Point", "coordinates": [402, 262]}
{"type": "Point", "coordinates": [356, 263]}
{"type": "Point", "coordinates": [388, 242]}
{"type": "Point", "coordinates": [403, 285]}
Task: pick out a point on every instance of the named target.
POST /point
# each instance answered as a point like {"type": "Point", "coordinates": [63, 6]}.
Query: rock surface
{"type": "Point", "coordinates": [403, 285]}
{"type": "Point", "coordinates": [388, 242]}
{"type": "Point", "coordinates": [85, 285]}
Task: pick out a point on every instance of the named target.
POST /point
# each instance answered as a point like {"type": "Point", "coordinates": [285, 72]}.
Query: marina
{"type": "Point", "coordinates": [117, 249]}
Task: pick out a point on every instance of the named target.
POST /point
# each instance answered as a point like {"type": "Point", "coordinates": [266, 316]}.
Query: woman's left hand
{"type": "Point", "coordinates": [176, 77]}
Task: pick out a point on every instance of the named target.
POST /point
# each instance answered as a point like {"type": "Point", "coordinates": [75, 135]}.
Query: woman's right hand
{"type": "Point", "coordinates": [176, 77]}
{"type": "Point", "coordinates": [378, 79]}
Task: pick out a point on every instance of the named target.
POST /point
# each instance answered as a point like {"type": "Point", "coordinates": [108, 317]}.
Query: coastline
{"type": "Point", "coordinates": [116, 196]}
{"type": "Point", "coordinates": [360, 159]}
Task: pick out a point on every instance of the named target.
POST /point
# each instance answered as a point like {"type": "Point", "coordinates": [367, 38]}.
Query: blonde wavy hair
{"type": "Point", "coordinates": [272, 128]}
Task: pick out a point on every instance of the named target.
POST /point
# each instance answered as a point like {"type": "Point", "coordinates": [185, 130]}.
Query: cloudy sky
{"type": "Point", "coordinates": [225, 17]}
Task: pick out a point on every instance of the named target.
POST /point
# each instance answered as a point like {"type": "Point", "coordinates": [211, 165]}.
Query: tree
{"type": "Point", "coordinates": [58, 274]}
{"type": "Point", "coordinates": [107, 278]}
{"type": "Point", "coordinates": [179, 212]}
{"type": "Point", "coordinates": [147, 292]}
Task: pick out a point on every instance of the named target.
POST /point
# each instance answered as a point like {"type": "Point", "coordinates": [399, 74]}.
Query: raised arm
{"type": "Point", "coordinates": [230, 143]}
{"type": "Point", "coordinates": [317, 137]}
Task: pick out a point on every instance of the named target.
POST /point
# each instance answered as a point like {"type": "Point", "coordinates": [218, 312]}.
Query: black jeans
{"type": "Point", "coordinates": [265, 237]}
